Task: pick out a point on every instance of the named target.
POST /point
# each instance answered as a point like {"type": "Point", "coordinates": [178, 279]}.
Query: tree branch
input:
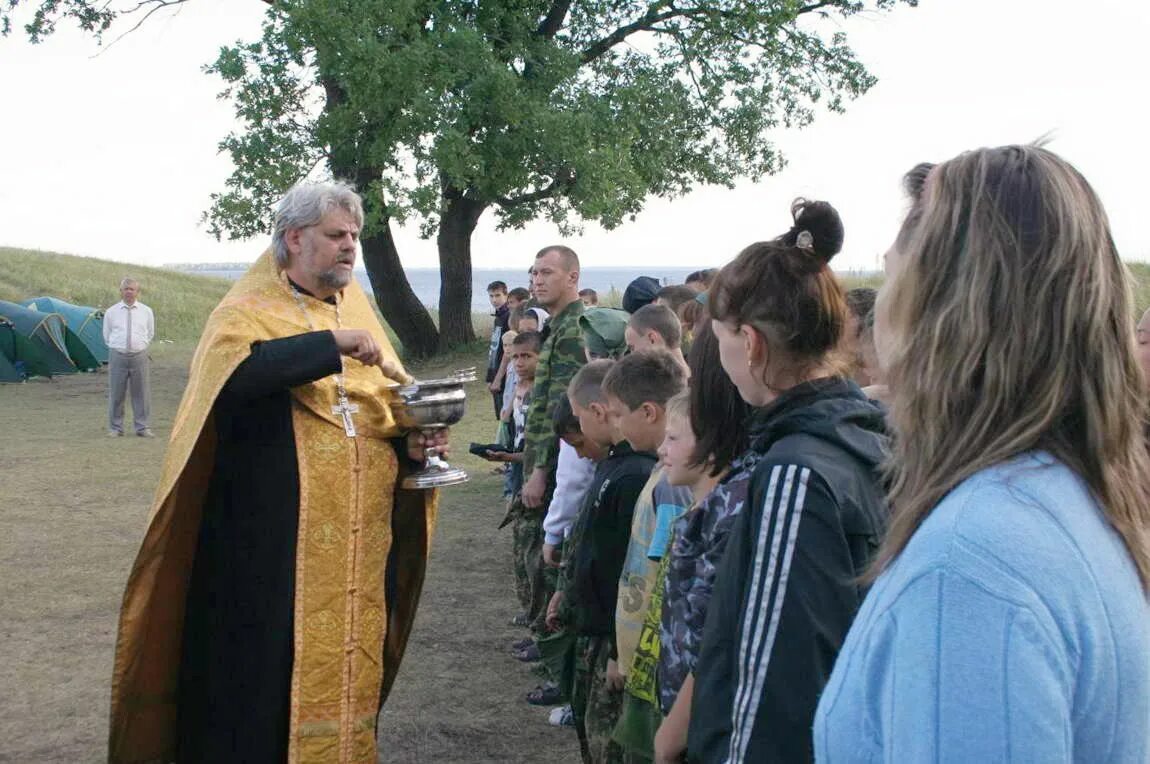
{"type": "Point", "coordinates": [554, 19]}
{"type": "Point", "coordinates": [641, 24]}
{"type": "Point", "coordinates": [654, 16]}
{"type": "Point", "coordinates": [563, 179]}
{"type": "Point", "coordinates": [815, 6]}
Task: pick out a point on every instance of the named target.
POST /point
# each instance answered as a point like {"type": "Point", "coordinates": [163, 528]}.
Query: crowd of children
{"type": "Point", "coordinates": [742, 507]}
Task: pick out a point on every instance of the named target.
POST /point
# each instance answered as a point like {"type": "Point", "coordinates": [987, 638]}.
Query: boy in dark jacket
{"type": "Point", "coordinates": [598, 542]}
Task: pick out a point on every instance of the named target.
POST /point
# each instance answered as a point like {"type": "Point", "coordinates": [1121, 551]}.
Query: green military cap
{"type": "Point", "coordinates": [603, 331]}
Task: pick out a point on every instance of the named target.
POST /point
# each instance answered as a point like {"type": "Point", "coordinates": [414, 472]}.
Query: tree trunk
{"type": "Point", "coordinates": [406, 315]}
{"type": "Point", "coordinates": [457, 223]}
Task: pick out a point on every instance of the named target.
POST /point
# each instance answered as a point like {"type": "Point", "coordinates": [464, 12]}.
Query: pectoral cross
{"type": "Point", "coordinates": [345, 409]}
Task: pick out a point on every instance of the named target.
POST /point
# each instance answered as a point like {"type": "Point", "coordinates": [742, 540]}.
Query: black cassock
{"type": "Point", "coordinates": [236, 661]}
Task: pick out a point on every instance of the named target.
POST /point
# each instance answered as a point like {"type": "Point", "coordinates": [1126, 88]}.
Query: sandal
{"type": "Point", "coordinates": [545, 695]}
{"type": "Point", "coordinates": [528, 654]}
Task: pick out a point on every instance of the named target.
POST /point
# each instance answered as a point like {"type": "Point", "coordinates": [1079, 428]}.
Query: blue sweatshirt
{"type": "Point", "coordinates": [1013, 627]}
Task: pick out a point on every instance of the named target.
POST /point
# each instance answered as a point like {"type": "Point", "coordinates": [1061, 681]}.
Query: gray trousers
{"type": "Point", "coordinates": [128, 371]}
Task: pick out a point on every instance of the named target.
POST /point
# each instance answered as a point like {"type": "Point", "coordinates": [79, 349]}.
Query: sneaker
{"type": "Point", "coordinates": [115, 434]}
{"type": "Point", "coordinates": [521, 644]}
{"type": "Point", "coordinates": [561, 717]}
{"type": "Point", "coordinates": [520, 620]}
{"type": "Point", "coordinates": [146, 434]}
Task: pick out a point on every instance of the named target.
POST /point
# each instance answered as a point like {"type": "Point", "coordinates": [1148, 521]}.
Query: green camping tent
{"type": "Point", "coordinates": [8, 372]}
{"type": "Point", "coordinates": [87, 323]}
{"type": "Point", "coordinates": [51, 332]}
{"type": "Point", "coordinates": [21, 354]}
{"type": "Point", "coordinates": [47, 333]}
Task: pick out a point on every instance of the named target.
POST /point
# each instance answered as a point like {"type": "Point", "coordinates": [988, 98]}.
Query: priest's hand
{"type": "Point", "coordinates": [419, 441]}
{"type": "Point", "coordinates": [358, 344]}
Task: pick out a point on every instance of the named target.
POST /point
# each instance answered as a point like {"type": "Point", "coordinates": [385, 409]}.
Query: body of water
{"type": "Point", "coordinates": [425, 281]}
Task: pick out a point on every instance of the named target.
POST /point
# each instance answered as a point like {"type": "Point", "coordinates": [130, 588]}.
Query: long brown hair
{"type": "Point", "coordinates": [1008, 330]}
{"type": "Point", "coordinates": [719, 416]}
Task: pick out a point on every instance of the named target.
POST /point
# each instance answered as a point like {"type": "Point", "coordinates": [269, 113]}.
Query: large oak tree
{"type": "Point", "coordinates": [442, 110]}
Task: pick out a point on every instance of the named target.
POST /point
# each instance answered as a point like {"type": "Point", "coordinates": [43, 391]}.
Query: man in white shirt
{"type": "Point", "coordinates": [128, 330]}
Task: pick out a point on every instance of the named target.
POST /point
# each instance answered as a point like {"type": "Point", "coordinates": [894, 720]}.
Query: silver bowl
{"type": "Point", "coordinates": [434, 404]}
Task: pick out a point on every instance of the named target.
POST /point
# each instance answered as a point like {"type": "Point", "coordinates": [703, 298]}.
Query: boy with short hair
{"type": "Point", "coordinates": [598, 545]}
{"type": "Point", "coordinates": [525, 357]}
{"type": "Point", "coordinates": [637, 390]}
{"type": "Point", "coordinates": [656, 327]}
{"type": "Point", "coordinates": [674, 296]}
{"type": "Point", "coordinates": [518, 298]}
{"type": "Point", "coordinates": [497, 294]}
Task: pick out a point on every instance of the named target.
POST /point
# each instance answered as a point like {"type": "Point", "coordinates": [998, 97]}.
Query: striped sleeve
{"type": "Point", "coordinates": [773, 553]}
{"type": "Point", "coordinates": [799, 601]}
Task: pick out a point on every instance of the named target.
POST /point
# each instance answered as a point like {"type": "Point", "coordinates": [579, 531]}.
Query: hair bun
{"type": "Point", "coordinates": [821, 224]}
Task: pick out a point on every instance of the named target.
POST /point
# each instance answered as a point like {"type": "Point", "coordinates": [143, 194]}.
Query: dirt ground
{"type": "Point", "coordinates": [73, 504]}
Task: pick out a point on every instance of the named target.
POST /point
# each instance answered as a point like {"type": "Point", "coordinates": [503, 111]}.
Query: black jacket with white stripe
{"type": "Point", "coordinates": [786, 590]}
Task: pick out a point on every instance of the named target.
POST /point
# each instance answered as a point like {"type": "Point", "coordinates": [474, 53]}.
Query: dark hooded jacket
{"type": "Point", "coordinates": [787, 588]}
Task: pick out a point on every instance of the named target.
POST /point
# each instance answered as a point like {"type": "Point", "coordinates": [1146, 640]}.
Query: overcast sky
{"type": "Point", "coordinates": [115, 156]}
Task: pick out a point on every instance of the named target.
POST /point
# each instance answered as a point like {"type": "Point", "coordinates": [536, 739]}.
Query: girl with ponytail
{"type": "Point", "coordinates": [787, 588]}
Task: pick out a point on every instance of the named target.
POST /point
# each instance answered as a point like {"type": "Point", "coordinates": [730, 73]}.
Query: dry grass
{"type": "Point", "coordinates": [181, 301]}
{"type": "Point", "coordinates": [73, 505]}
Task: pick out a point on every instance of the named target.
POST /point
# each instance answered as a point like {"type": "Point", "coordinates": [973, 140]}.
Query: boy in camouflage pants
{"type": "Point", "coordinates": [597, 546]}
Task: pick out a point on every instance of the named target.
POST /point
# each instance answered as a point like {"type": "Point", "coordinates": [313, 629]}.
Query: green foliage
{"type": "Point", "coordinates": [538, 108]}
{"type": "Point", "coordinates": [568, 111]}
{"type": "Point", "coordinates": [89, 16]}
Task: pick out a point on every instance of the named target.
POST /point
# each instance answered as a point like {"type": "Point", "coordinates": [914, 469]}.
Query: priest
{"type": "Point", "coordinates": [270, 603]}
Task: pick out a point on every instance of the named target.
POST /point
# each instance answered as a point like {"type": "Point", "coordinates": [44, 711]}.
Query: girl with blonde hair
{"type": "Point", "coordinates": [1009, 619]}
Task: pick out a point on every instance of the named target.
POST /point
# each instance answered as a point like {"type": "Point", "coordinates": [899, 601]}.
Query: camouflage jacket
{"type": "Point", "coordinates": [699, 541]}
{"type": "Point", "coordinates": [560, 358]}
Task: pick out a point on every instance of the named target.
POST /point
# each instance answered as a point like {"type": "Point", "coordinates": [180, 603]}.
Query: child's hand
{"type": "Point", "coordinates": [670, 744]}
{"type": "Point", "coordinates": [552, 620]}
{"type": "Point", "coordinates": [615, 678]}
{"type": "Point", "coordinates": [551, 555]}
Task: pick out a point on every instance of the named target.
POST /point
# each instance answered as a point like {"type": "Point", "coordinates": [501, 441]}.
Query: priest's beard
{"type": "Point", "coordinates": [334, 278]}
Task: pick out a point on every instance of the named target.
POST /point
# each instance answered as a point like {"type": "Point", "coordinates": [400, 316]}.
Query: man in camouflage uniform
{"type": "Point", "coordinates": [555, 283]}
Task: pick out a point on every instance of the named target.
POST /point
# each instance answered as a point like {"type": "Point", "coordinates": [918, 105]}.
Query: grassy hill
{"type": "Point", "coordinates": [182, 301]}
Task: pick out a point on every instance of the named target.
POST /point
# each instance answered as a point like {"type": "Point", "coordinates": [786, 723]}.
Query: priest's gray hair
{"type": "Point", "coordinates": [305, 204]}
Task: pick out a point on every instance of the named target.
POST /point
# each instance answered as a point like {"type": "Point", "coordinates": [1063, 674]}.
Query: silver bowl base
{"type": "Point", "coordinates": [435, 478]}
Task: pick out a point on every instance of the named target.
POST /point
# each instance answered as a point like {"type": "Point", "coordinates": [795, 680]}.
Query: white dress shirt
{"type": "Point", "coordinates": [143, 327]}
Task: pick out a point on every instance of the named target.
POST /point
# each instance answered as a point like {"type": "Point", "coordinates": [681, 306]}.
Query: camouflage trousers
{"type": "Point", "coordinates": [527, 562]}
{"type": "Point", "coordinates": [595, 707]}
